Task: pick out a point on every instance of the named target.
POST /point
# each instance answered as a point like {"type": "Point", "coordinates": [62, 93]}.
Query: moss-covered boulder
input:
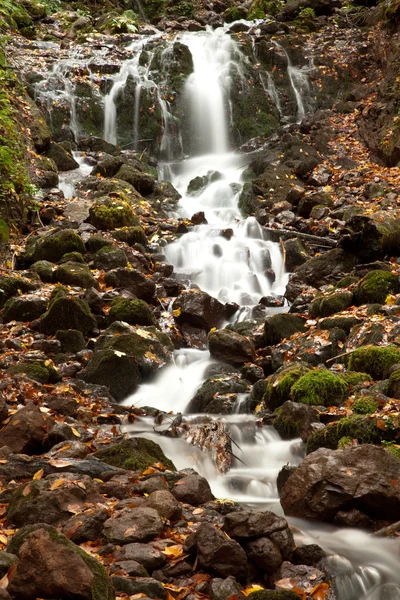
{"type": "Point", "coordinates": [112, 212]}
{"type": "Point", "coordinates": [295, 420]}
{"type": "Point", "coordinates": [134, 454]}
{"type": "Point", "coordinates": [109, 257]}
{"type": "Point", "coordinates": [374, 360]}
{"type": "Point", "coordinates": [38, 573]}
{"type": "Point", "coordinates": [219, 394]}
{"type": "Point", "coordinates": [345, 323]}
{"type": "Point", "coordinates": [354, 378]}
{"type": "Point", "coordinates": [75, 274]}
{"type": "Point", "coordinates": [359, 427]}
{"type": "Point", "coordinates": [72, 257]}
{"type": "Point", "coordinates": [97, 242]}
{"type": "Point", "coordinates": [319, 387]}
{"type": "Point", "coordinates": [149, 347]}
{"type": "Point", "coordinates": [67, 312]}
{"type": "Point", "coordinates": [364, 405]}
{"type": "Point", "coordinates": [114, 369]}
{"type": "Point", "coordinates": [142, 182]}
{"type": "Point", "coordinates": [132, 235]}
{"type": "Point", "coordinates": [134, 312]}
{"type": "Point", "coordinates": [280, 383]}
{"type": "Point", "coordinates": [71, 340]}
{"type": "Point", "coordinates": [11, 286]}
{"type": "Point", "coordinates": [38, 370]}
{"type": "Point", "coordinates": [24, 308]}
{"type": "Point", "coordinates": [375, 287]}
{"type": "Point", "coordinates": [63, 159]}
{"type": "Point", "coordinates": [282, 326]}
{"type": "Point", "coordinates": [394, 385]}
{"type": "Point", "coordinates": [231, 347]}
{"type": "Point", "coordinates": [53, 246]}
{"type": "Point", "coordinates": [44, 269]}
{"type": "Point", "coordinates": [324, 306]}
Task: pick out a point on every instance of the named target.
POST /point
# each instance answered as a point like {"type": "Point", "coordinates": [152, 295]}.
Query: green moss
{"type": "Point", "coordinates": [394, 385]}
{"type": "Point", "coordinates": [280, 384]}
{"type": "Point", "coordinates": [273, 595]}
{"type": "Point", "coordinates": [132, 235]}
{"type": "Point", "coordinates": [345, 323]}
{"type": "Point", "coordinates": [97, 242]}
{"type": "Point", "coordinates": [11, 286]}
{"type": "Point", "coordinates": [53, 246]}
{"type": "Point", "coordinates": [262, 8]}
{"type": "Point", "coordinates": [374, 360]}
{"type": "Point", "coordinates": [67, 313]}
{"type": "Point", "coordinates": [392, 448]}
{"type": "Point", "coordinates": [282, 326]}
{"type": "Point", "coordinates": [306, 20]}
{"type": "Point", "coordinates": [330, 304]}
{"type": "Point", "coordinates": [346, 281]}
{"type": "Point", "coordinates": [136, 454]}
{"type": "Point", "coordinates": [359, 427]}
{"type": "Point", "coordinates": [318, 387]}
{"type": "Point", "coordinates": [71, 340]}
{"type": "Point", "coordinates": [353, 378]}
{"type": "Point", "coordinates": [102, 588]}
{"type": "Point", "coordinates": [375, 287]}
{"type": "Point", "coordinates": [344, 442]}
{"type": "Point", "coordinates": [364, 405]}
{"type": "Point", "coordinates": [111, 213]}
{"type": "Point", "coordinates": [73, 257]}
{"type": "Point", "coordinates": [37, 370]}
{"type": "Point", "coordinates": [75, 274]}
{"type": "Point", "coordinates": [134, 312]}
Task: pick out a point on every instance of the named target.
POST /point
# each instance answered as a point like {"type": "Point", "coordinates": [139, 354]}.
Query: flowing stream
{"type": "Point", "coordinates": [232, 259]}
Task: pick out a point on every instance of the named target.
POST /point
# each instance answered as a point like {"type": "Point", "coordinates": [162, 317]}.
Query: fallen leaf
{"type": "Point", "coordinates": [38, 475]}
{"type": "Point", "coordinates": [174, 551]}
{"type": "Point", "coordinates": [56, 484]}
{"type": "Point", "coordinates": [27, 490]}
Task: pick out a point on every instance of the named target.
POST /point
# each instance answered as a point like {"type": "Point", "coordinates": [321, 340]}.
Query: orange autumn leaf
{"type": "Point", "coordinates": [38, 475]}
{"type": "Point", "coordinates": [174, 551]}
{"type": "Point", "coordinates": [319, 591]}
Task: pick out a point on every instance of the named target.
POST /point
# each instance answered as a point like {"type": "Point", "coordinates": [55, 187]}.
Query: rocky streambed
{"type": "Point", "coordinates": [209, 282]}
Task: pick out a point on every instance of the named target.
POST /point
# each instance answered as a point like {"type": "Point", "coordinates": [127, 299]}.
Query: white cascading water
{"type": "Point", "coordinates": [231, 270]}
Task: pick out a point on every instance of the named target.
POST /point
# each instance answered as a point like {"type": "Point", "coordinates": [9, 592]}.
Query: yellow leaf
{"type": "Point", "coordinates": [56, 484]}
{"type": "Point", "coordinates": [38, 475]}
{"type": "Point", "coordinates": [3, 539]}
{"type": "Point", "coordinates": [75, 432]}
{"type": "Point", "coordinates": [390, 299]}
{"type": "Point", "coordinates": [198, 511]}
{"type": "Point", "coordinates": [252, 588]}
{"type": "Point", "coordinates": [174, 551]}
{"type": "Point", "coordinates": [176, 312]}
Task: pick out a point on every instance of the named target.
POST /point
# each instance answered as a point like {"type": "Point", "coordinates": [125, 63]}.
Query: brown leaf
{"type": "Point", "coordinates": [27, 490]}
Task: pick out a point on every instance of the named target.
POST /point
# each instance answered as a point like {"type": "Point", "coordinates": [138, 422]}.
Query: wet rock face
{"type": "Point", "coordinates": [224, 557]}
{"type": "Point", "coordinates": [332, 481]}
{"type": "Point", "coordinates": [199, 309]}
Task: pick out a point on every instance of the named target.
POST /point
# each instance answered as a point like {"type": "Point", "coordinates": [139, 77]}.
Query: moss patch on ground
{"type": "Point", "coordinates": [136, 454]}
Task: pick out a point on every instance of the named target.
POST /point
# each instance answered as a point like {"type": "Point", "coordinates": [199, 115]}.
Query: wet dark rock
{"type": "Point", "coordinates": [63, 160]}
{"type": "Point", "coordinates": [133, 525]}
{"type": "Point", "coordinates": [329, 481]}
{"type": "Point", "coordinates": [26, 430]}
{"type": "Point", "coordinates": [67, 312]}
{"type": "Point", "coordinates": [318, 269]}
{"type": "Point", "coordinates": [231, 347]}
{"type": "Point", "coordinates": [46, 561]}
{"type": "Point", "coordinates": [107, 166]}
{"type": "Point", "coordinates": [61, 404]}
{"type": "Point", "coordinates": [151, 588]}
{"type": "Point", "coordinates": [71, 340]}
{"type": "Point", "coordinates": [247, 524]}
{"type": "Point", "coordinates": [145, 554]}
{"type": "Point", "coordinates": [73, 449]}
{"type": "Point", "coordinates": [131, 568]}
{"type": "Point", "coordinates": [165, 504]}
{"type": "Point", "coordinates": [24, 308]}
{"type": "Point", "coordinates": [193, 490]}
{"type": "Point", "coordinates": [218, 394]}
{"type": "Point", "coordinates": [115, 370]}
{"type": "Point", "coordinates": [302, 574]}
{"type": "Point", "coordinates": [265, 554]}
{"type": "Point", "coordinates": [44, 505]}
{"type": "Point", "coordinates": [308, 554]}
{"type": "Point", "coordinates": [222, 589]}
{"type": "Point", "coordinates": [7, 560]}
{"type": "Point", "coordinates": [75, 274]}
{"type": "Point", "coordinates": [199, 309]}
{"type": "Point", "coordinates": [295, 420]}
{"type": "Point", "coordinates": [86, 526]}
{"type": "Point", "coordinates": [217, 553]}
{"type": "Point", "coordinates": [53, 246]}
{"type": "Point", "coordinates": [108, 258]}
{"type": "Point", "coordinates": [282, 326]}
{"type": "Point", "coordinates": [130, 279]}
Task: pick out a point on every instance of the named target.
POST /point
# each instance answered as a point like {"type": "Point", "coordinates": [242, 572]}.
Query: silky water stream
{"type": "Point", "coordinates": [231, 267]}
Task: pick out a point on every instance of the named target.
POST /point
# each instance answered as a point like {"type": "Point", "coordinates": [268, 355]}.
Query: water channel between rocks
{"type": "Point", "coordinates": [228, 256]}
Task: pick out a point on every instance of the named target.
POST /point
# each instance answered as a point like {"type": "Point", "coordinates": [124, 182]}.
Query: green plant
{"type": "Point", "coordinates": [128, 22]}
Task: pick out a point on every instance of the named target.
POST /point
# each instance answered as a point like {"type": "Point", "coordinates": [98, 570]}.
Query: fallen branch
{"type": "Point", "coordinates": [277, 234]}
{"type": "Point", "coordinates": [385, 531]}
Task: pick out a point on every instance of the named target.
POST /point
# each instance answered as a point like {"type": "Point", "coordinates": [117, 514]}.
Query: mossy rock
{"type": "Point", "coordinates": [353, 378]}
{"type": "Point", "coordinates": [375, 287]}
{"type": "Point", "coordinates": [111, 213]}
{"type": "Point", "coordinates": [72, 257]}
{"type": "Point", "coordinates": [218, 394]}
{"type": "Point", "coordinates": [11, 286]}
{"type": "Point", "coordinates": [44, 269]}
{"type": "Point", "coordinates": [359, 427]}
{"type": "Point", "coordinates": [53, 246]}
{"type": "Point", "coordinates": [71, 340]}
{"type": "Point", "coordinates": [37, 370]}
{"type": "Point", "coordinates": [132, 235]}
{"type": "Point", "coordinates": [199, 183]}
{"type": "Point", "coordinates": [142, 182]}
{"type": "Point", "coordinates": [114, 369]}
{"type": "Point", "coordinates": [374, 360]}
{"type": "Point", "coordinates": [319, 387]}
{"type": "Point", "coordinates": [294, 420]}
{"type": "Point", "coordinates": [102, 588]}
{"type": "Point", "coordinates": [134, 312]}
{"type": "Point", "coordinates": [75, 274]}
{"type": "Point", "coordinates": [364, 405]}
{"type": "Point", "coordinates": [346, 281]}
{"type": "Point", "coordinates": [325, 306]}
{"type": "Point", "coordinates": [97, 242]}
{"type": "Point", "coordinates": [394, 385]}
{"type": "Point", "coordinates": [134, 454]}
{"type": "Point", "coordinates": [282, 326]}
{"type": "Point", "coordinates": [109, 257]}
{"type": "Point", "coordinates": [66, 312]}
{"type": "Point", "coordinates": [273, 595]}
{"type": "Point", "coordinates": [280, 383]}
{"type": "Point", "coordinates": [345, 323]}
{"type": "Point", "coordinates": [24, 308]}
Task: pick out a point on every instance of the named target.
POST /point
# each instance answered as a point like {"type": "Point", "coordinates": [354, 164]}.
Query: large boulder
{"type": "Point", "coordinates": [135, 454]}
{"type": "Point", "coordinates": [231, 347]}
{"type": "Point", "coordinates": [53, 246]}
{"type": "Point", "coordinates": [11, 286]}
{"type": "Point", "coordinates": [134, 312]}
{"type": "Point", "coordinates": [27, 430]}
{"type": "Point", "coordinates": [318, 269]}
{"type": "Point", "coordinates": [112, 212]}
{"type": "Point", "coordinates": [114, 369]}
{"type": "Point", "coordinates": [193, 489]}
{"type": "Point", "coordinates": [75, 274]}
{"type": "Point", "coordinates": [50, 566]}
{"type": "Point", "coordinates": [132, 280]}
{"type": "Point", "coordinates": [133, 525]}
{"type": "Point", "coordinates": [67, 312]}
{"type": "Point", "coordinates": [363, 478]}
{"type": "Point", "coordinates": [24, 308]}
{"type": "Point", "coordinates": [218, 394]}
{"type": "Point", "coordinates": [282, 326]}
{"type": "Point", "coordinates": [198, 309]}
